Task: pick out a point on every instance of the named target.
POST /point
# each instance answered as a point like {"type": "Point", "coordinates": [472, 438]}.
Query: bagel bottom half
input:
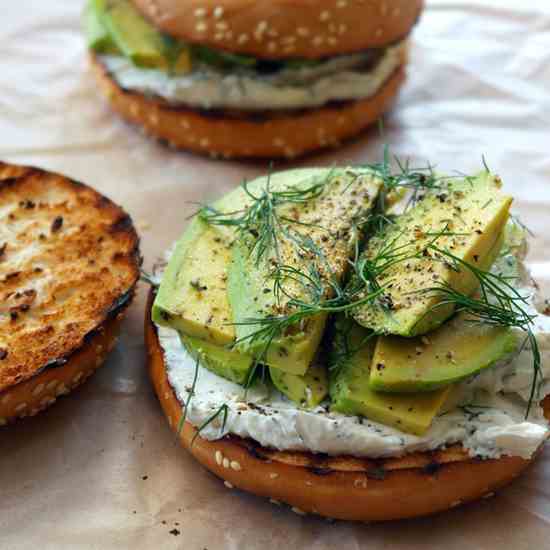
{"type": "Point", "coordinates": [337, 487]}
{"type": "Point", "coordinates": [266, 135]}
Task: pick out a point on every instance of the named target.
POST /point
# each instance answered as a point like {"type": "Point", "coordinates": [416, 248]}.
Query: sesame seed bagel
{"type": "Point", "coordinates": [343, 487]}
{"type": "Point", "coordinates": [277, 29]}
{"type": "Point", "coordinates": [267, 135]}
{"type": "Point", "coordinates": [69, 264]}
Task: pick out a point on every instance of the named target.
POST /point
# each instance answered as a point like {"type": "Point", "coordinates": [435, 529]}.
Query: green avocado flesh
{"type": "Point", "coordinates": [224, 362]}
{"type": "Point", "coordinates": [350, 392]}
{"type": "Point", "coordinates": [325, 226]}
{"type": "Point", "coordinates": [192, 297]}
{"type": "Point", "coordinates": [464, 218]}
{"type": "Point", "coordinates": [449, 354]}
{"type": "Point", "coordinates": [99, 39]}
{"type": "Point", "coordinates": [307, 390]}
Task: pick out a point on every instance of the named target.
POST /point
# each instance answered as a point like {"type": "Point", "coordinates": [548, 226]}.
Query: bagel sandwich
{"type": "Point", "coordinates": [69, 264]}
{"type": "Point", "coordinates": [250, 79]}
{"type": "Point", "coordinates": [288, 363]}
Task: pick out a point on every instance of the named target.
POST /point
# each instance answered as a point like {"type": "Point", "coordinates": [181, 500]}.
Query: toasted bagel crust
{"type": "Point", "coordinates": [284, 135]}
{"type": "Point", "coordinates": [278, 29]}
{"type": "Point", "coordinates": [69, 264]}
{"type": "Point", "coordinates": [337, 487]}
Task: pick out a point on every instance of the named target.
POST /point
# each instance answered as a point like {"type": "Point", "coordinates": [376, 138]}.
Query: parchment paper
{"type": "Point", "coordinates": [101, 468]}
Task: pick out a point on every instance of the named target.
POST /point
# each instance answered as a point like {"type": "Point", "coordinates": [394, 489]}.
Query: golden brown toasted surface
{"type": "Point", "coordinates": [278, 29]}
{"type": "Point", "coordinates": [69, 261]}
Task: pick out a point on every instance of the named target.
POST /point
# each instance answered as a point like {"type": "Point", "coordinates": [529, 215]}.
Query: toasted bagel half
{"type": "Point", "coordinates": [341, 487]}
{"type": "Point", "coordinates": [69, 264]}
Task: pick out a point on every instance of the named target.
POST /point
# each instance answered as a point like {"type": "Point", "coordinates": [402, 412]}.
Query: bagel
{"type": "Point", "coordinates": [343, 487]}
{"type": "Point", "coordinates": [69, 264]}
{"type": "Point", "coordinates": [283, 79]}
{"type": "Point", "coordinates": [306, 28]}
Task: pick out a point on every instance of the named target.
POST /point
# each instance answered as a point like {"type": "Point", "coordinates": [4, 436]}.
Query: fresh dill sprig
{"type": "Point", "coordinates": [146, 278]}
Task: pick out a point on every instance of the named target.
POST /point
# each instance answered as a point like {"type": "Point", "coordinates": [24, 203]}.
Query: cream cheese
{"type": "Point", "coordinates": [206, 87]}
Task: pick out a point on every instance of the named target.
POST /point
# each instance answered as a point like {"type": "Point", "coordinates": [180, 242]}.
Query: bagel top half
{"type": "Point", "coordinates": [279, 29]}
{"type": "Point", "coordinates": [69, 264]}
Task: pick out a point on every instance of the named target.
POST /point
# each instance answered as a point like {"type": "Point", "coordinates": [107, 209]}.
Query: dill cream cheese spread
{"type": "Point", "coordinates": [342, 78]}
{"type": "Point", "coordinates": [487, 413]}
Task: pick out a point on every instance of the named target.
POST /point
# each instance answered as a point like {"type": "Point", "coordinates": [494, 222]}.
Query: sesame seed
{"type": "Point", "coordinates": [228, 485]}
{"type": "Point", "coordinates": [396, 12]}
{"type": "Point", "coordinates": [273, 501]}
{"type": "Point", "coordinates": [298, 511]}
{"type": "Point", "coordinates": [324, 16]}
{"type": "Point", "coordinates": [166, 396]}
{"type": "Point", "coordinates": [204, 142]}
{"type": "Point", "coordinates": [261, 27]}
{"type": "Point", "coordinates": [288, 40]}
{"type": "Point", "coordinates": [201, 27]}
{"type": "Point", "coordinates": [272, 46]}
{"type": "Point", "coordinates": [309, 484]}
{"type": "Point", "coordinates": [218, 12]}
{"type": "Point", "coordinates": [278, 142]}
{"type": "Point", "coordinates": [219, 458]}
{"type": "Point", "coordinates": [302, 31]}
{"type": "Point", "coordinates": [48, 400]}
{"type": "Point", "coordinates": [318, 40]}
{"type": "Point", "coordinates": [154, 119]}
{"type": "Point", "coordinates": [200, 12]}
{"type": "Point", "coordinates": [341, 3]}
{"type": "Point", "coordinates": [61, 390]}
{"type": "Point", "coordinates": [218, 37]}
{"type": "Point", "coordinates": [342, 28]}
{"type": "Point", "coordinates": [379, 32]}
{"type": "Point", "coordinates": [184, 124]}
{"type": "Point", "coordinates": [222, 26]}
{"type": "Point", "coordinates": [235, 466]}
{"type": "Point", "coordinates": [332, 41]}
{"type": "Point", "coordinates": [273, 475]}
{"type": "Point", "coordinates": [243, 39]}
{"type": "Point", "coordinates": [225, 462]}
{"type": "Point", "coordinates": [38, 389]}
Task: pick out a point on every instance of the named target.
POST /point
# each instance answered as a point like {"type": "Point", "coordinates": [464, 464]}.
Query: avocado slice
{"type": "Point", "coordinates": [192, 297]}
{"type": "Point", "coordinates": [464, 217]}
{"type": "Point", "coordinates": [457, 349]}
{"type": "Point", "coordinates": [134, 36]}
{"type": "Point", "coordinates": [350, 392]}
{"type": "Point", "coordinates": [224, 362]}
{"type": "Point", "coordinates": [318, 247]}
{"type": "Point", "coordinates": [307, 390]}
{"type": "Point", "coordinates": [447, 355]}
{"type": "Point", "coordinates": [97, 35]}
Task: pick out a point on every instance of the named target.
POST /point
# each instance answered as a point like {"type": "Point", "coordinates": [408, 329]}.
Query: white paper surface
{"type": "Point", "coordinates": [72, 478]}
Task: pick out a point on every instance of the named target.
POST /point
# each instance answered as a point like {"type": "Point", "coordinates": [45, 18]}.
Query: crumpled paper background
{"type": "Point", "coordinates": [101, 468]}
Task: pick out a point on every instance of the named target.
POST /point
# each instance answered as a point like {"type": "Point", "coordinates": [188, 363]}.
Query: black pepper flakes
{"type": "Point", "coordinates": [57, 224]}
